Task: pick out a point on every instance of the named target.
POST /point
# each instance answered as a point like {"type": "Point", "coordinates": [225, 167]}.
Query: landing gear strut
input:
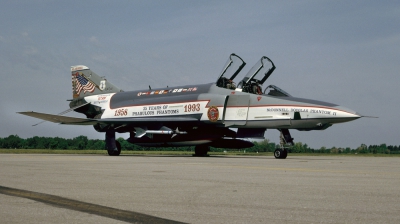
{"type": "Point", "coordinates": [201, 150]}
{"type": "Point", "coordinates": [285, 139]}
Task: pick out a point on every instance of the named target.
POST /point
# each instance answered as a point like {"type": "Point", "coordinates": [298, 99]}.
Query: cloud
{"type": "Point", "coordinates": [30, 51]}
{"type": "Point", "coordinates": [100, 57]}
{"type": "Point", "coordinates": [94, 40]}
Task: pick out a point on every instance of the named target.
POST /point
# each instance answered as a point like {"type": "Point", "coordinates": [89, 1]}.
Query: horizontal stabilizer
{"type": "Point", "coordinates": [115, 121]}
{"type": "Point", "coordinates": [60, 119]}
{"type": "Point", "coordinates": [64, 112]}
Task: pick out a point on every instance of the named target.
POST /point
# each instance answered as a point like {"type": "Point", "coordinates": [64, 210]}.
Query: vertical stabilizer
{"type": "Point", "coordinates": [85, 83]}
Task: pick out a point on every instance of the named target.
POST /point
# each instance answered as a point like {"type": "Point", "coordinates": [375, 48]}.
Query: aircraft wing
{"type": "Point", "coordinates": [87, 121]}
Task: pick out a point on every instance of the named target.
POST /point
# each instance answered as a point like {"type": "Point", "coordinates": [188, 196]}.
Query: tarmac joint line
{"type": "Point", "coordinates": [113, 213]}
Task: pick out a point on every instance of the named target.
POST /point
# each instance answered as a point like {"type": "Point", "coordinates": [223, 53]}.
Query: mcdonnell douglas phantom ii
{"type": "Point", "coordinates": [221, 114]}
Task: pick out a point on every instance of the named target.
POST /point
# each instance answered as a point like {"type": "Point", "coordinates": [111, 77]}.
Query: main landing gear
{"type": "Point", "coordinates": [117, 151]}
{"type": "Point", "coordinates": [285, 139]}
{"type": "Point", "coordinates": [201, 150]}
{"type": "Point", "coordinates": [113, 146]}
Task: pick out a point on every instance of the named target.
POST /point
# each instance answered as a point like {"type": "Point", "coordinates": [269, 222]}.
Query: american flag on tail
{"type": "Point", "coordinates": [82, 83]}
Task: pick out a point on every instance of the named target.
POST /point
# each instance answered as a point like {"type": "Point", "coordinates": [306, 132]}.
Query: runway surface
{"type": "Point", "coordinates": [217, 189]}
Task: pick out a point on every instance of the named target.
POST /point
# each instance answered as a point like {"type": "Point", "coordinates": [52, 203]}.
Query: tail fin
{"type": "Point", "coordinates": [86, 83]}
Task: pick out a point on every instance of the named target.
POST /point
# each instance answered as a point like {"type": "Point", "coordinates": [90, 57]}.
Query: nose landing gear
{"type": "Point", "coordinates": [285, 139]}
{"type": "Point", "coordinates": [280, 153]}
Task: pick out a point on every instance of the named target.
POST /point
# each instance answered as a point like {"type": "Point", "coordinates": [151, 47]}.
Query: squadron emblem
{"type": "Point", "coordinates": [213, 113]}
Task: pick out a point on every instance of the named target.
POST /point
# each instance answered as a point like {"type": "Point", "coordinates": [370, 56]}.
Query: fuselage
{"type": "Point", "coordinates": [223, 107]}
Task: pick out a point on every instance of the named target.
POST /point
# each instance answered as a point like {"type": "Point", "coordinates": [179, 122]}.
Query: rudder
{"type": "Point", "coordinates": [85, 83]}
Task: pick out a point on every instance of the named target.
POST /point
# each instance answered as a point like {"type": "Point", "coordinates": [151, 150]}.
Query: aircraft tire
{"type": "Point", "coordinates": [201, 150]}
{"type": "Point", "coordinates": [115, 153]}
{"type": "Point", "coordinates": [280, 153]}
{"type": "Point", "coordinates": [284, 154]}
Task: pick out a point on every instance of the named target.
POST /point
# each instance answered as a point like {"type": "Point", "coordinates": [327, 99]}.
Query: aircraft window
{"type": "Point", "coordinates": [275, 91]}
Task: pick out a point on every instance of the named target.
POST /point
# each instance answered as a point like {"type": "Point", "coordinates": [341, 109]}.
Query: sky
{"type": "Point", "coordinates": [343, 52]}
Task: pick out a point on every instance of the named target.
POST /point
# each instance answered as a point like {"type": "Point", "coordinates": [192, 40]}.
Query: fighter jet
{"type": "Point", "coordinates": [221, 114]}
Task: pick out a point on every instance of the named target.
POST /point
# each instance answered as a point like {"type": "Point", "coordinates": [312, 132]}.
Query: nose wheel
{"type": "Point", "coordinates": [280, 153]}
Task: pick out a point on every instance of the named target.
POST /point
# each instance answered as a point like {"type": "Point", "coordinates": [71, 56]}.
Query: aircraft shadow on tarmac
{"type": "Point", "coordinates": [227, 157]}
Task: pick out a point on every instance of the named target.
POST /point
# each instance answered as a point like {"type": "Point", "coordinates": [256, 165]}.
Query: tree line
{"type": "Point", "coordinates": [82, 143]}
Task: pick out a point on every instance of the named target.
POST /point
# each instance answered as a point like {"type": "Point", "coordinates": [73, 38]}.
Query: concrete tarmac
{"type": "Point", "coordinates": [217, 189]}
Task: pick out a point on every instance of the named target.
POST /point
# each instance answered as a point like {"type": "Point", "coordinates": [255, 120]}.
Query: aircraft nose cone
{"type": "Point", "coordinates": [346, 114]}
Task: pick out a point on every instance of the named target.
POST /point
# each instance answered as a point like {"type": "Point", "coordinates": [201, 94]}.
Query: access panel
{"type": "Point", "coordinates": [236, 110]}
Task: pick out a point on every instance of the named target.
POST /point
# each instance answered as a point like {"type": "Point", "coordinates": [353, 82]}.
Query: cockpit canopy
{"type": "Point", "coordinates": [257, 75]}
{"type": "Point", "coordinates": [253, 80]}
{"type": "Point", "coordinates": [231, 69]}
{"type": "Point", "coordinates": [275, 91]}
